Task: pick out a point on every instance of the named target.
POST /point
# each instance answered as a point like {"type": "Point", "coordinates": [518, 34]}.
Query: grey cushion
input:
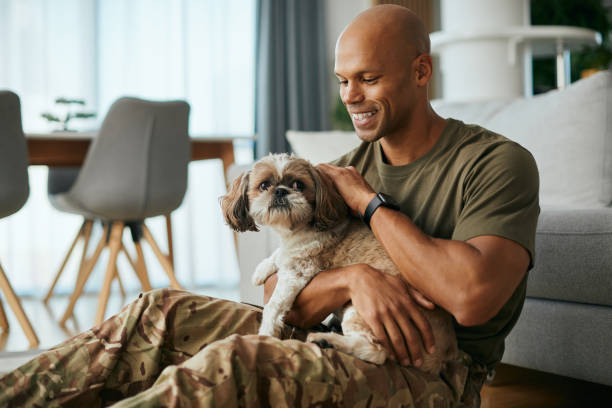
{"type": "Point", "coordinates": [573, 256]}
{"type": "Point", "coordinates": [569, 133]}
{"type": "Point", "coordinates": [14, 187]}
{"type": "Point", "coordinates": [564, 338]}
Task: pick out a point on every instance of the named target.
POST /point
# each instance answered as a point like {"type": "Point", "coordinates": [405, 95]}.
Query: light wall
{"type": "Point", "coordinates": [338, 14]}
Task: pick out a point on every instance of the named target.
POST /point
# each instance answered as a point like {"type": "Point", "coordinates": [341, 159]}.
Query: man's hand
{"type": "Point", "coordinates": [386, 303]}
{"type": "Point", "coordinates": [356, 192]}
{"type": "Point", "coordinates": [389, 306]}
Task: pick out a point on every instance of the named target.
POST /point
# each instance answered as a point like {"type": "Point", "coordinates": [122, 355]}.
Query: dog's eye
{"type": "Point", "coordinates": [264, 185]}
{"type": "Point", "coordinates": [297, 185]}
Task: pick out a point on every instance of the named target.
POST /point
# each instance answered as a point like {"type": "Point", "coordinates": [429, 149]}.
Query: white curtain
{"type": "Point", "coordinates": [201, 51]}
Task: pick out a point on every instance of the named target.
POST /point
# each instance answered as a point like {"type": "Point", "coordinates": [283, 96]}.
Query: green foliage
{"type": "Point", "coordinates": [341, 120]}
{"type": "Point", "coordinates": [69, 114]}
{"type": "Point", "coordinates": [50, 117]}
{"type": "Point", "coordinates": [579, 13]}
{"type": "Point", "coordinates": [66, 101]}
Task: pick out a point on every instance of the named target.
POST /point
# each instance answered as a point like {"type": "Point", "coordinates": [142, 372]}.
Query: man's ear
{"type": "Point", "coordinates": [235, 205]}
{"type": "Point", "coordinates": [423, 69]}
{"type": "Point", "coordinates": [330, 208]}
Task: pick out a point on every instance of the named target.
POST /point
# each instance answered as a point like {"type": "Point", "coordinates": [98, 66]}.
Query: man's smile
{"type": "Point", "coordinates": [363, 119]}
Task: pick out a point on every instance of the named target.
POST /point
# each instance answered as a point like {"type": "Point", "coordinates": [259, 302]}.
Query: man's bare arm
{"type": "Point", "coordinates": [472, 279]}
{"type": "Point", "coordinates": [324, 294]}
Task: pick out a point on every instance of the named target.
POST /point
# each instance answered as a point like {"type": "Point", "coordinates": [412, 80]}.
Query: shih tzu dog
{"type": "Point", "coordinates": [301, 204]}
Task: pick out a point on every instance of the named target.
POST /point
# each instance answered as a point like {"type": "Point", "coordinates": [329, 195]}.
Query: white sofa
{"type": "Point", "coordinates": [566, 324]}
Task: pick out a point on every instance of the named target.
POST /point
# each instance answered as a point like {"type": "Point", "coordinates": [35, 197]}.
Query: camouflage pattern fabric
{"type": "Point", "coordinates": [172, 348]}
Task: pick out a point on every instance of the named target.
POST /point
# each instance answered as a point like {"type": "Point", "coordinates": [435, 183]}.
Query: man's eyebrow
{"type": "Point", "coordinates": [362, 72]}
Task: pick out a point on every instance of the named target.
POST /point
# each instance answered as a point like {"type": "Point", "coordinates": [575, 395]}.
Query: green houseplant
{"type": "Point", "coordinates": [70, 114]}
{"type": "Point", "coordinates": [579, 13]}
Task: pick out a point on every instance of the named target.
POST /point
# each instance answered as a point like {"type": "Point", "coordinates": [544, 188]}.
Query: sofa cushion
{"type": "Point", "coordinates": [322, 147]}
{"type": "Point", "coordinates": [573, 256]}
{"type": "Point", "coordinates": [569, 133]}
{"type": "Point", "coordinates": [564, 338]}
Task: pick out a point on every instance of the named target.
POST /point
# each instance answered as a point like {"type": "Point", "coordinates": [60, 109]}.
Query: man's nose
{"type": "Point", "coordinates": [352, 93]}
{"type": "Point", "coordinates": [280, 192]}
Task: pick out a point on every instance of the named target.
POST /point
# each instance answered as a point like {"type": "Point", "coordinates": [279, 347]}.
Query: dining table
{"type": "Point", "coordinates": [69, 148]}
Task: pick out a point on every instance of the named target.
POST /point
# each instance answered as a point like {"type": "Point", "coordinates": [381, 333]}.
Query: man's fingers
{"type": "Point", "coordinates": [381, 335]}
{"type": "Point", "coordinates": [422, 324]}
{"type": "Point", "coordinates": [421, 299]}
{"type": "Point", "coordinates": [412, 339]}
{"type": "Point", "coordinates": [398, 343]}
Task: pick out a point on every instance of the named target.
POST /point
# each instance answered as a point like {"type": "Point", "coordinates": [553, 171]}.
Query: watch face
{"type": "Point", "coordinates": [388, 200]}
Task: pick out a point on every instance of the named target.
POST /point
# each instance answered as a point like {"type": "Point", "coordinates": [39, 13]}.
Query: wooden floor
{"type": "Point", "coordinates": [515, 387]}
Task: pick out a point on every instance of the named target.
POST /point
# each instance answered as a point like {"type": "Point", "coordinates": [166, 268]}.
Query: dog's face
{"type": "Point", "coordinates": [284, 192]}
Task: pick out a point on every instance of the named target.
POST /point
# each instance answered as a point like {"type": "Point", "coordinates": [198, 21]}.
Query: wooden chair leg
{"type": "Point", "coordinates": [118, 278]}
{"type": "Point", "coordinates": [114, 245]}
{"type": "Point", "coordinates": [65, 261]}
{"type": "Point", "coordinates": [141, 268]}
{"type": "Point", "coordinates": [82, 279]}
{"type": "Point", "coordinates": [161, 257]}
{"type": "Point", "coordinates": [83, 263]}
{"type": "Point", "coordinates": [3, 339]}
{"type": "Point", "coordinates": [3, 320]}
{"type": "Point", "coordinates": [128, 256]}
{"type": "Point", "coordinates": [169, 235]}
{"type": "Point", "coordinates": [15, 304]}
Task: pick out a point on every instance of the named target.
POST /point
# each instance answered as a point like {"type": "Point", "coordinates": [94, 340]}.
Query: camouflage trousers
{"type": "Point", "coordinates": [172, 348]}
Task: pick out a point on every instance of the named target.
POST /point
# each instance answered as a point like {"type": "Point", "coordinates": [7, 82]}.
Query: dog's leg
{"type": "Point", "coordinates": [355, 344]}
{"type": "Point", "coordinates": [358, 340]}
{"type": "Point", "coordinates": [285, 292]}
{"type": "Point", "coordinates": [265, 268]}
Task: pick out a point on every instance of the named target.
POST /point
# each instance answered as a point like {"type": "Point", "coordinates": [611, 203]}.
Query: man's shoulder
{"type": "Point", "coordinates": [478, 143]}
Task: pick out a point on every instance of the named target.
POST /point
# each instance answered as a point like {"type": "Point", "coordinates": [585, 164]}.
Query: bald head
{"type": "Point", "coordinates": [390, 26]}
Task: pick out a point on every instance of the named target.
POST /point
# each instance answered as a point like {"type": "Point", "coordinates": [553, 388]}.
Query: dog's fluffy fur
{"type": "Point", "coordinates": [302, 205]}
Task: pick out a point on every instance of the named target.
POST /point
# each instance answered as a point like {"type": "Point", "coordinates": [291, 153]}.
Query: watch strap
{"type": "Point", "coordinates": [378, 201]}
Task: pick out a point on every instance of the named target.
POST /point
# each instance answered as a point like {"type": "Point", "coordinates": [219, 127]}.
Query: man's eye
{"type": "Point", "coordinates": [297, 185]}
{"type": "Point", "coordinates": [369, 80]}
{"type": "Point", "coordinates": [342, 81]}
{"type": "Point", "coordinates": [264, 185]}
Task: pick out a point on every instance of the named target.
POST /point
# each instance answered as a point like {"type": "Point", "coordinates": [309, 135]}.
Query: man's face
{"type": "Point", "coordinates": [376, 86]}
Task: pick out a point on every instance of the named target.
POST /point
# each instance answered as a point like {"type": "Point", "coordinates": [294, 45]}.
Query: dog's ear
{"type": "Point", "coordinates": [330, 208]}
{"type": "Point", "coordinates": [235, 205]}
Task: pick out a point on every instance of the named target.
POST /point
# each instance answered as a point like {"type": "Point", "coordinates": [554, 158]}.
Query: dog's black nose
{"type": "Point", "coordinates": [280, 192]}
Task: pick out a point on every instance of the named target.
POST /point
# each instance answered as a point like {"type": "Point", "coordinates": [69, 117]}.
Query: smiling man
{"type": "Point", "coordinates": [468, 199]}
{"type": "Point", "coordinates": [463, 240]}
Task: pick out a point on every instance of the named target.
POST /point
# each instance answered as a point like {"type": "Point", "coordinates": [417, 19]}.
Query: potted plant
{"type": "Point", "coordinates": [70, 113]}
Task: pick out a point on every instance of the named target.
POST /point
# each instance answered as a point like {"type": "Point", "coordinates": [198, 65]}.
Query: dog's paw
{"type": "Point", "coordinates": [263, 270]}
{"type": "Point", "coordinates": [269, 330]}
{"type": "Point", "coordinates": [323, 344]}
{"type": "Point", "coordinates": [320, 341]}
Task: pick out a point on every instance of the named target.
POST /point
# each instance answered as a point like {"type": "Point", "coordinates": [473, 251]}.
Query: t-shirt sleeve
{"type": "Point", "coordinates": [500, 197]}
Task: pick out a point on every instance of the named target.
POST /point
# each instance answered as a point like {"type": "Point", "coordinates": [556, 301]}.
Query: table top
{"type": "Point", "coordinates": [70, 148]}
{"type": "Point", "coordinates": [90, 135]}
{"type": "Point", "coordinates": [544, 39]}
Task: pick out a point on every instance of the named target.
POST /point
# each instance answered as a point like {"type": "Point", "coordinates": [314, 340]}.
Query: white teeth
{"type": "Point", "coordinates": [362, 116]}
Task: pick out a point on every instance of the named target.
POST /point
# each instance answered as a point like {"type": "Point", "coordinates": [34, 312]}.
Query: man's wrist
{"type": "Point", "coordinates": [352, 277]}
{"type": "Point", "coordinates": [365, 201]}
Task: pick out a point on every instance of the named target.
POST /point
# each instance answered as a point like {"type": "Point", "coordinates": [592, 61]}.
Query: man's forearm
{"type": "Point", "coordinates": [454, 274]}
{"type": "Point", "coordinates": [324, 294]}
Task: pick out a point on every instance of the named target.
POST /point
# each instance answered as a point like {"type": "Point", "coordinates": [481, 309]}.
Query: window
{"type": "Point", "coordinates": [99, 50]}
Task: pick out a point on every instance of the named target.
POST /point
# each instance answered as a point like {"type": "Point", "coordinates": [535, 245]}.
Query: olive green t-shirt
{"type": "Point", "coordinates": [471, 182]}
